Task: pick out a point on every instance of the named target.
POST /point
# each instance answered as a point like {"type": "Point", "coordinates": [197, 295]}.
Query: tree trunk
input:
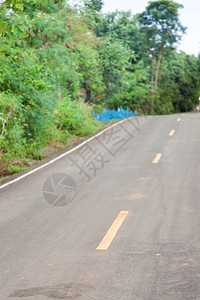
{"type": "Point", "coordinates": [88, 95]}
{"type": "Point", "coordinates": [152, 84]}
{"type": "Point", "coordinates": [87, 91]}
{"type": "Point", "coordinates": [158, 67]}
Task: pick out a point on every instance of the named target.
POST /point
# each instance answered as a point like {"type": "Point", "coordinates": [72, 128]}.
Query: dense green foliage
{"type": "Point", "coordinates": [161, 29]}
{"type": "Point", "coordinates": [58, 62]}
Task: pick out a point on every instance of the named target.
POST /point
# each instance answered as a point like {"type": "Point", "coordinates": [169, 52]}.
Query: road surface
{"type": "Point", "coordinates": [124, 224]}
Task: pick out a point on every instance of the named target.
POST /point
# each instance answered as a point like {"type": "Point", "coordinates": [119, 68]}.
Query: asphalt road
{"type": "Point", "coordinates": [132, 231]}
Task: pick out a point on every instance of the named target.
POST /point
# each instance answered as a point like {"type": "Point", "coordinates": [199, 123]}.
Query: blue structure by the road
{"type": "Point", "coordinates": [108, 114]}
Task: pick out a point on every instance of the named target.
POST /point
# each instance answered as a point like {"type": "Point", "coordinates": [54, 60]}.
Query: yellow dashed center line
{"type": "Point", "coordinates": [171, 132]}
{"type": "Point", "coordinates": [112, 231]}
{"type": "Point", "coordinates": [157, 158]}
{"type": "Point", "coordinates": [179, 119]}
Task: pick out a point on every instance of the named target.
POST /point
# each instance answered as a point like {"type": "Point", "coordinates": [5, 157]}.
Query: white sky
{"type": "Point", "coordinates": [189, 16]}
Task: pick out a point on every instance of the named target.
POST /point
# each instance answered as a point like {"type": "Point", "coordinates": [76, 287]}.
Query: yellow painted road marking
{"type": "Point", "coordinates": [171, 132]}
{"type": "Point", "coordinates": [179, 119]}
{"type": "Point", "coordinates": [112, 231]}
{"type": "Point", "coordinates": [157, 158]}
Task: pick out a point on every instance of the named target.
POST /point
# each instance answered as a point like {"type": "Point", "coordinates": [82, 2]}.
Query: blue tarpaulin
{"type": "Point", "coordinates": [108, 114]}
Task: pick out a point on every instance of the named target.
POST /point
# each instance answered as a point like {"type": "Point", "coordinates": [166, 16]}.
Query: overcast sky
{"type": "Point", "coordinates": [189, 16]}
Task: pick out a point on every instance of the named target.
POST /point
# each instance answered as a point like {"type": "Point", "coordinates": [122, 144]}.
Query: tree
{"type": "Point", "coordinates": [94, 5]}
{"type": "Point", "coordinates": [180, 81]}
{"type": "Point", "coordinates": [121, 26]}
{"type": "Point", "coordinates": [161, 28]}
{"type": "Point", "coordinates": [115, 59]}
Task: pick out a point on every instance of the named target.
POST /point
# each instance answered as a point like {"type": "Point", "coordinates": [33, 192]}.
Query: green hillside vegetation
{"type": "Point", "coordinates": [59, 63]}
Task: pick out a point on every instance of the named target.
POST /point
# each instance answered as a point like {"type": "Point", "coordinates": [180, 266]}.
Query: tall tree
{"type": "Point", "coordinates": [162, 29]}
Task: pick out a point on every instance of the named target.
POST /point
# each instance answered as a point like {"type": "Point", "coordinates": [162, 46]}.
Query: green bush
{"type": "Point", "coordinates": [75, 117]}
